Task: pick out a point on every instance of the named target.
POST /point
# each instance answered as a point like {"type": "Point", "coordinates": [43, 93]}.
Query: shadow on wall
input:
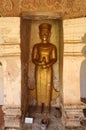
{"type": "Point", "coordinates": [1, 96]}
{"type": "Point", "coordinates": [1, 85]}
{"type": "Point", "coordinates": [83, 73]}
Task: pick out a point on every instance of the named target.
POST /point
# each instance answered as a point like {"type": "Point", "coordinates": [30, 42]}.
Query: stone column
{"type": "Point", "coordinates": [11, 63]}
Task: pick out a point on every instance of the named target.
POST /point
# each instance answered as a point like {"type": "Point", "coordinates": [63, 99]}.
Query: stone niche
{"type": "Point", "coordinates": [30, 36]}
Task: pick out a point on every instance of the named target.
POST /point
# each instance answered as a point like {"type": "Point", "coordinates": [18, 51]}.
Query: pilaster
{"type": "Point", "coordinates": [10, 58]}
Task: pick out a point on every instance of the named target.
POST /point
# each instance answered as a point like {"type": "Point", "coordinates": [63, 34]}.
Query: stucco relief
{"type": "Point", "coordinates": [69, 3]}
{"type": "Point", "coordinates": [1, 7]}
{"type": "Point", "coordinates": [31, 5]}
{"type": "Point", "coordinates": [46, 5]}
{"type": "Point", "coordinates": [55, 4]}
{"type": "Point", "coordinates": [69, 8]}
{"type": "Point", "coordinates": [75, 8]}
{"type": "Point", "coordinates": [8, 5]}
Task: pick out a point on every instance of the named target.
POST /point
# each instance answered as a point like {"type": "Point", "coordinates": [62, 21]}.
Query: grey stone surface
{"type": "Point", "coordinates": [54, 124]}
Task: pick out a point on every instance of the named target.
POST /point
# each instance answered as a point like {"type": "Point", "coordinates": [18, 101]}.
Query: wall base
{"type": "Point", "coordinates": [12, 118]}
{"type": "Point", "coordinates": [72, 115]}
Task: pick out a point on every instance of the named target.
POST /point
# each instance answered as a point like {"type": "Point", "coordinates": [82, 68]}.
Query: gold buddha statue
{"type": "Point", "coordinates": [44, 55]}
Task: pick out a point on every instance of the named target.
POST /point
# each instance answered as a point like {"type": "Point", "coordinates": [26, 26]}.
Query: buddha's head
{"type": "Point", "coordinates": [45, 32]}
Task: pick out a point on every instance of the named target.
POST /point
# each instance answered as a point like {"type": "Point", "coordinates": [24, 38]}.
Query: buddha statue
{"type": "Point", "coordinates": [44, 55]}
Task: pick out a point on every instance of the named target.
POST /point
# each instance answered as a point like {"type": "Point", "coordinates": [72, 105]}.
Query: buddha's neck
{"type": "Point", "coordinates": [45, 41]}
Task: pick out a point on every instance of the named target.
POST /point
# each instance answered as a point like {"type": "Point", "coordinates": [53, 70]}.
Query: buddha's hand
{"type": "Point", "coordinates": [44, 66]}
{"type": "Point", "coordinates": [43, 61]}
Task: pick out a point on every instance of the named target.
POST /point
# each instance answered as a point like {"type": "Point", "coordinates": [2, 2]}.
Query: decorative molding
{"type": "Point", "coordinates": [72, 54]}
{"type": "Point", "coordinates": [9, 50]}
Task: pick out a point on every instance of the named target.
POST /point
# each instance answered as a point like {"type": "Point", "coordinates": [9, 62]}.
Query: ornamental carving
{"type": "Point", "coordinates": [69, 8]}
{"type": "Point", "coordinates": [30, 4]}
{"type": "Point", "coordinates": [69, 3]}
{"type": "Point", "coordinates": [8, 5]}
{"type": "Point", "coordinates": [55, 4]}
{"type": "Point", "coordinates": [75, 8]}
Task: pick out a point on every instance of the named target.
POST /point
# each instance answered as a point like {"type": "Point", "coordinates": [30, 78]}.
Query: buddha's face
{"type": "Point", "coordinates": [45, 35]}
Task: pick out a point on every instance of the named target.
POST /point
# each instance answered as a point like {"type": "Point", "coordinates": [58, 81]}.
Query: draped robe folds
{"type": "Point", "coordinates": [44, 76]}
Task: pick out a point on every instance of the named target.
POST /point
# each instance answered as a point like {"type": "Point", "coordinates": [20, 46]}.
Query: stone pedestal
{"type": "Point", "coordinates": [72, 115]}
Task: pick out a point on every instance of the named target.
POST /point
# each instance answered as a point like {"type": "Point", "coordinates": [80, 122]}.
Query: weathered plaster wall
{"type": "Point", "coordinates": [10, 59]}
{"type": "Point", "coordinates": [74, 42]}
{"type": "Point", "coordinates": [10, 73]}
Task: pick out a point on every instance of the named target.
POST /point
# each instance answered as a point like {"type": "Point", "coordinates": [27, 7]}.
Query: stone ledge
{"type": "Point", "coordinates": [8, 50]}
{"type": "Point", "coordinates": [12, 111]}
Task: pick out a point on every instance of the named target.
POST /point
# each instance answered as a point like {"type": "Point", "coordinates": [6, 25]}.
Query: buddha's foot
{"type": "Point", "coordinates": [46, 110]}
{"type": "Point", "coordinates": [38, 109]}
